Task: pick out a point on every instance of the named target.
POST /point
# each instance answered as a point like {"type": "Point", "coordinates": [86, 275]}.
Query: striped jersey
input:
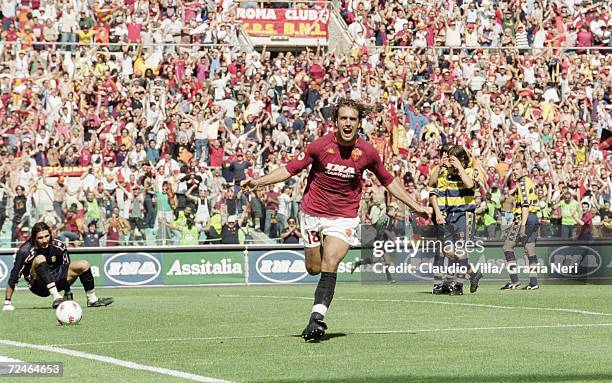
{"type": "Point", "coordinates": [459, 198]}
{"type": "Point", "coordinates": [440, 189]}
{"type": "Point", "coordinates": [526, 196]}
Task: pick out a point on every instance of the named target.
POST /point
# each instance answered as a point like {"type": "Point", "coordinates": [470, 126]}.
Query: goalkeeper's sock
{"type": "Point", "coordinates": [54, 292]}
{"type": "Point", "coordinates": [87, 280]}
{"type": "Point", "coordinates": [323, 295]}
{"type": "Point", "coordinates": [44, 275]}
{"type": "Point", "coordinates": [91, 296]}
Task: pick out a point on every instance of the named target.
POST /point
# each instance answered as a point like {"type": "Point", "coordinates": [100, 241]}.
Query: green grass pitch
{"type": "Point", "coordinates": [377, 333]}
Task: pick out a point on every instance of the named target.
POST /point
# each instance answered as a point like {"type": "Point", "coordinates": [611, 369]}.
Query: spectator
{"type": "Point", "coordinates": [291, 234]}
{"type": "Point", "coordinates": [91, 237]}
{"type": "Point", "coordinates": [115, 107]}
{"type": "Point", "coordinates": [569, 215]}
{"type": "Point", "coordinates": [584, 231]}
{"type": "Point", "coordinates": [232, 233]}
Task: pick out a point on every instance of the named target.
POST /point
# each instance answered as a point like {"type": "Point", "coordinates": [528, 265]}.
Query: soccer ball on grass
{"type": "Point", "coordinates": [68, 312]}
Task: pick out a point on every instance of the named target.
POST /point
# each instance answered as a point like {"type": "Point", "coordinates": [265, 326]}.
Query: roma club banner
{"type": "Point", "coordinates": [66, 171]}
{"type": "Point", "coordinates": [289, 22]}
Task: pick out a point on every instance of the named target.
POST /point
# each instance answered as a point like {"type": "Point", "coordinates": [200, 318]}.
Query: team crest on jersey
{"type": "Point", "coordinates": [349, 232]}
{"type": "Point", "coordinates": [53, 259]}
{"type": "Point", "coordinates": [330, 150]}
{"type": "Point", "coordinates": [301, 156]}
{"type": "Point", "coordinates": [355, 154]}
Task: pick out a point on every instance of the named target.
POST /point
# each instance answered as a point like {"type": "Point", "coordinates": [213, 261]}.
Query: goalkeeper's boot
{"type": "Point", "coordinates": [100, 302]}
{"type": "Point", "coordinates": [511, 286]}
{"type": "Point", "coordinates": [315, 330]}
{"type": "Point", "coordinates": [57, 302]}
{"type": "Point", "coordinates": [474, 279]}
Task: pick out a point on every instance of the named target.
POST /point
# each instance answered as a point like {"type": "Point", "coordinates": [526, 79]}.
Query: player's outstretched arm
{"type": "Point", "coordinates": [13, 279]}
{"type": "Point", "coordinates": [278, 175]}
{"type": "Point", "coordinates": [397, 190]}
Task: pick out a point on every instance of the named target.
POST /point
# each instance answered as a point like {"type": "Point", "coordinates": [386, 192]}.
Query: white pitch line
{"type": "Point", "coordinates": [173, 340]}
{"type": "Point", "coordinates": [371, 332]}
{"type": "Point", "coordinates": [4, 359]}
{"type": "Point", "coordinates": [117, 362]}
{"type": "Point", "coordinates": [374, 332]}
{"type": "Point", "coordinates": [573, 311]}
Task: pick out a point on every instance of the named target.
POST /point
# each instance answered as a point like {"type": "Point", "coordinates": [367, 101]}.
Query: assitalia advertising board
{"type": "Point", "coordinates": [203, 267]}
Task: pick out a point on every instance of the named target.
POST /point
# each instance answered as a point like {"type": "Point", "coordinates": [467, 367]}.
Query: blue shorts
{"type": "Point", "coordinates": [459, 226]}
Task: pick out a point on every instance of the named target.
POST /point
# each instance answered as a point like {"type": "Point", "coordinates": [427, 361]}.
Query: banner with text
{"type": "Point", "coordinates": [199, 267]}
{"type": "Point", "coordinates": [65, 171]}
{"type": "Point", "coordinates": [141, 268]}
{"type": "Point", "coordinates": [585, 263]}
{"type": "Point", "coordinates": [288, 266]}
{"type": "Point", "coordinates": [288, 22]}
{"type": "Point", "coordinates": [581, 263]}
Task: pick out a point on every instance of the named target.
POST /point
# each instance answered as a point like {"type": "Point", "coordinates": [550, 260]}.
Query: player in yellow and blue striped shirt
{"type": "Point", "coordinates": [524, 228]}
{"type": "Point", "coordinates": [437, 200]}
{"type": "Point", "coordinates": [462, 181]}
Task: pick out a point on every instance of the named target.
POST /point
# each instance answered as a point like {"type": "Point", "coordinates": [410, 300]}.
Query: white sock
{"type": "Point", "coordinates": [320, 309]}
{"type": "Point", "coordinates": [91, 296]}
{"type": "Point", "coordinates": [55, 293]}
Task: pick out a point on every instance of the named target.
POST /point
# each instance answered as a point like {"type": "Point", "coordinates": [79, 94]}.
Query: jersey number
{"type": "Point", "coordinates": [313, 236]}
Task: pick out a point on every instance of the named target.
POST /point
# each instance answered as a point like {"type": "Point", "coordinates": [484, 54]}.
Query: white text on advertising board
{"type": "Point", "coordinates": [587, 259]}
{"type": "Point", "coordinates": [225, 266]}
{"type": "Point", "coordinates": [132, 269]}
{"type": "Point", "coordinates": [289, 268]}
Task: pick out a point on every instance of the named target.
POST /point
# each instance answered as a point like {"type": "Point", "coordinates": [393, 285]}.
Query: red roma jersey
{"type": "Point", "coordinates": [334, 182]}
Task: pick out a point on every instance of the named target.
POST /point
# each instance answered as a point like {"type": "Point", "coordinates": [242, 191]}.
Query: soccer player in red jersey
{"type": "Point", "coordinates": [331, 200]}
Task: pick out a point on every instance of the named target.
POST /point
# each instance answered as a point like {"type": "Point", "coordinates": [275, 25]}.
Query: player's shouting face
{"type": "Point", "coordinates": [43, 238]}
{"type": "Point", "coordinates": [347, 123]}
{"type": "Point", "coordinates": [517, 171]}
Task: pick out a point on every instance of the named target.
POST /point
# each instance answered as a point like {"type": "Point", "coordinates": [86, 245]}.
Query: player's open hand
{"type": "Point", "coordinates": [8, 306]}
{"type": "Point", "coordinates": [249, 184]}
{"type": "Point", "coordinates": [440, 219]}
{"type": "Point", "coordinates": [454, 161]}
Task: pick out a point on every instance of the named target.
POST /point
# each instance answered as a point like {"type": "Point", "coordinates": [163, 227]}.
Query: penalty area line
{"type": "Point", "coordinates": [370, 332]}
{"type": "Point", "coordinates": [483, 305]}
{"type": "Point", "coordinates": [116, 362]}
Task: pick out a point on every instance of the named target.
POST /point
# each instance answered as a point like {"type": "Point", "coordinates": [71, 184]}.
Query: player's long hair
{"type": "Point", "coordinates": [461, 154]}
{"type": "Point", "coordinates": [444, 149]}
{"type": "Point", "coordinates": [361, 108]}
{"type": "Point", "coordinates": [37, 228]}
